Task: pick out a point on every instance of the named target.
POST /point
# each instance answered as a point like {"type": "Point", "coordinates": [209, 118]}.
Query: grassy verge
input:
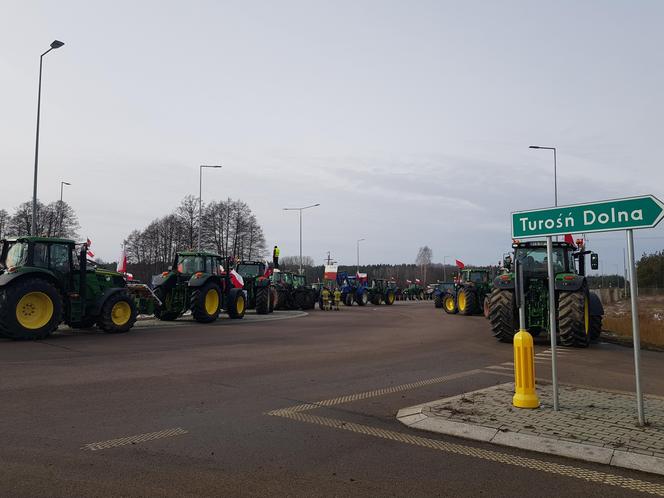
{"type": "Point", "coordinates": [618, 319]}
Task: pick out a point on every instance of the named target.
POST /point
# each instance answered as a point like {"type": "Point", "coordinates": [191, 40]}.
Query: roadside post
{"type": "Point", "coordinates": [628, 214]}
{"type": "Point", "coordinates": [553, 325]}
{"type": "Point", "coordinates": [525, 395]}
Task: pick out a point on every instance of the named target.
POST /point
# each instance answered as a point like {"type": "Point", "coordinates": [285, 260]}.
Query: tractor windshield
{"type": "Point", "coordinates": [16, 255]}
{"type": "Point", "coordinates": [188, 265]}
{"type": "Point", "coordinates": [535, 259]}
{"type": "Point", "coordinates": [249, 271]}
{"type": "Point", "coordinates": [478, 277]}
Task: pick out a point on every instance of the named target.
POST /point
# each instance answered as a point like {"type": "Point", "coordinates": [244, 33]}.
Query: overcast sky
{"type": "Point", "coordinates": [408, 121]}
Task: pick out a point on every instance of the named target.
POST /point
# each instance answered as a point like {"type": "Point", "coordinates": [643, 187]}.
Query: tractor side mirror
{"type": "Point", "coordinates": [594, 261]}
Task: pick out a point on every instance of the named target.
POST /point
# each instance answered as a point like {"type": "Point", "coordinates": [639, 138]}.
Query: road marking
{"type": "Point", "coordinates": [498, 367]}
{"type": "Point", "coordinates": [297, 413]}
{"type": "Point", "coordinates": [139, 438]}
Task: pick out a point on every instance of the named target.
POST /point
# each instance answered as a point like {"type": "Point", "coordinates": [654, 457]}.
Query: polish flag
{"type": "Point", "coordinates": [88, 242]}
{"type": "Point", "coordinates": [236, 279]}
{"type": "Point", "coordinates": [569, 239]}
{"type": "Point", "coordinates": [122, 263]}
{"type": "Point", "coordinates": [460, 264]}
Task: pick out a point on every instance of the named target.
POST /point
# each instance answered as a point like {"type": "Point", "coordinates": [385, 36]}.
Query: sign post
{"type": "Point", "coordinates": [553, 326]}
{"type": "Point", "coordinates": [627, 214]}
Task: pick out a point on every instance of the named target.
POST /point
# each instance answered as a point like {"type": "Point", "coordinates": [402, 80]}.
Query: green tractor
{"type": "Point", "coordinates": [45, 281]}
{"type": "Point", "coordinates": [413, 291]}
{"type": "Point", "coordinates": [381, 292]}
{"type": "Point", "coordinates": [197, 282]}
{"type": "Point", "coordinates": [470, 294]}
{"type": "Point", "coordinates": [579, 310]}
{"type": "Point", "coordinates": [292, 291]}
{"type": "Point", "coordinates": [261, 295]}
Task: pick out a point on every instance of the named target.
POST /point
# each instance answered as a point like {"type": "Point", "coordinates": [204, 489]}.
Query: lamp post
{"type": "Point", "coordinates": [300, 209]}
{"type": "Point", "coordinates": [33, 223]}
{"type": "Point", "coordinates": [555, 171]}
{"type": "Point", "coordinates": [200, 199]}
{"type": "Point", "coordinates": [61, 206]}
{"type": "Point", "coordinates": [62, 184]}
{"type": "Point", "coordinates": [358, 255]}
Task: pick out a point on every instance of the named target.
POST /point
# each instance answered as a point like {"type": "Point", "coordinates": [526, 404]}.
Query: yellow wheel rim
{"type": "Point", "coordinates": [211, 302]}
{"type": "Point", "coordinates": [34, 310]}
{"type": "Point", "coordinates": [390, 298]}
{"type": "Point", "coordinates": [239, 304]}
{"type": "Point", "coordinates": [449, 303]}
{"type": "Point", "coordinates": [586, 315]}
{"type": "Point", "coordinates": [121, 313]}
{"type": "Point", "coordinates": [462, 301]}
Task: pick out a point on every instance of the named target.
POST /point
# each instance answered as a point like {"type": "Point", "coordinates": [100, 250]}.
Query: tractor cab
{"type": "Point", "coordinates": [187, 264]}
{"type": "Point", "coordinates": [251, 269]}
{"type": "Point", "coordinates": [533, 257]}
{"type": "Point", "coordinates": [475, 276]}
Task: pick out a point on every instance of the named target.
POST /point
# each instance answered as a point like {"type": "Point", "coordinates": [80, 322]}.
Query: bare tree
{"type": "Point", "coordinates": [423, 260]}
{"type": "Point", "coordinates": [54, 220]}
{"type": "Point", "coordinates": [4, 223]}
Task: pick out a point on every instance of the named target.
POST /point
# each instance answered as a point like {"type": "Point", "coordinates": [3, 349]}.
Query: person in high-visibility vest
{"type": "Point", "coordinates": [337, 299]}
{"type": "Point", "coordinates": [326, 299]}
{"type": "Point", "coordinates": [275, 256]}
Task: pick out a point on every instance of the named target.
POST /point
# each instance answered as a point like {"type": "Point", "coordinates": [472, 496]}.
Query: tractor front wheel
{"type": "Point", "coordinates": [32, 309]}
{"type": "Point", "coordinates": [390, 298]}
{"type": "Point", "coordinates": [205, 303]}
{"type": "Point", "coordinates": [503, 314]}
{"type": "Point", "coordinates": [237, 304]}
{"type": "Point", "coordinates": [347, 299]}
{"type": "Point", "coordinates": [466, 301]}
{"type": "Point", "coordinates": [574, 318]}
{"type": "Point", "coordinates": [262, 301]}
{"type": "Point", "coordinates": [363, 299]}
{"type": "Point", "coordinates": [595, 327]}
{"type": "Point", "coordinates": [118, 314]}
{"type": "Point", "coordinates": [449, 304]}
{"type": "Point", "coordinates": [438, 301]}
{"type": "Point", "coordinates": [161, 312]}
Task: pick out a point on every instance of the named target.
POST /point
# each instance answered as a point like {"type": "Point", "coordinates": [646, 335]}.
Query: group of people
{"type": "Point", "coordinates": [331, 299]}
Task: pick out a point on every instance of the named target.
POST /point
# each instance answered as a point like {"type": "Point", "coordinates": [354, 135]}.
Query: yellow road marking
{"type": "Point", "coordinates": [139, 438]}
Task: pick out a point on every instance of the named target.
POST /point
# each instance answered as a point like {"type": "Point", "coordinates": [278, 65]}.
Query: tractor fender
{"type": "Point", "coordinates": [595, 305]}
{"type": "Point", "coordinates": [6, 278]}
{"type": "Point", "coordinates": [102, 299]}
{"type": "Point", "coordinates": [501, 284]}
{"type": "Point", "coordinates": [570, 284]}
{"type": "Point", "coordinates": [200, 282]}
{"type": "Point", "coordinates": [160, 279]}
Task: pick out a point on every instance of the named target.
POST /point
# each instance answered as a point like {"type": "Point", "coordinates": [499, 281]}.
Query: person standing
{"type": "Point", "coordinates": [275, 257]}
{"type": "Point", "coordinates": [337, 299]}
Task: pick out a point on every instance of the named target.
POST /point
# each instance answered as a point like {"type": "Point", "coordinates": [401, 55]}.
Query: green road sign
{"type": "Point", "coordinates": [603, 216]}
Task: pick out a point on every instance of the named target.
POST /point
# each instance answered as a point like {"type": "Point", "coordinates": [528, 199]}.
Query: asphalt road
{"type": "Point", "coordinates": [207, 410]}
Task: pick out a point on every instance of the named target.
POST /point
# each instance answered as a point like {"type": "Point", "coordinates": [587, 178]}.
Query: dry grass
{"type": "Point", "coordinates": [618, 319]}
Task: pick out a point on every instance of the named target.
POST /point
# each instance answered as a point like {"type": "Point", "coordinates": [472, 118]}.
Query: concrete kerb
{"type": "Point", "coordinates": [419, 417]}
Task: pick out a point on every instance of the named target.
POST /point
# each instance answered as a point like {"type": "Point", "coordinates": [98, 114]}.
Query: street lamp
{"type": "Point", "coordinates": [200, 199]}
{"type": "Point", "coordinates": [62, 184]}
{"type": "Point", "coordinates": [61, 207]}
{"type": "Point", "coordinates": [300, 209]}
{"type": "Point", "coordinates": [33, 224]}
{"type": "Point", "coordinates": [555, 171]}
{"type": "Point", "coordinates": [358, 255]}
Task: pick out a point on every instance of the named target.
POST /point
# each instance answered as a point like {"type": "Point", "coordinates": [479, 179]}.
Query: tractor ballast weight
{"type": "Point", "coordinates": [197, 282]}
{"type": "Point", "coordinates": [579, 310]}
{"type": "Point", "coordinates": [380, 292]}
{"type": "Point", "coordinates": [45, 281]}
{"type": "Point", "coordinates": [261, 296]}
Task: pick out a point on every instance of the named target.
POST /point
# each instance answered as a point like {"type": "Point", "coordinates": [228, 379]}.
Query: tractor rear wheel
{"type": "Point", "coordinates": [363, 299]}
{"type": "Point", "coordinates": [466, 301]}
{"type": "Point", "coordinates": [205, 303]}
{"type": "Point", "coordinates": [485, 306]}
{"type": "Point", "coordinates": [237, 304]}
{"type": "Point", "coordinates": [595, 327]}
{"type": "Point", "coordinates": [161, 311]}
{"type": "Point", "coordinates": [375, 299]}
{"type": "Point", "coordinates": [348, 299]}
{"type": "Point", "coordinates": [300, 300]}
{"type": "Point", "coordinates": [32, 309]}
{"type": "Point", "coordinates": [449, 304]}
{"type": "Point", "coordinates": [262, 300]}
{"type": "Point", "coordinates": [503, 314]}
{"type": "Point", "coordinates": [118, 314]}
{"type": "Point", "coordinates": [390, 298]}
{"type": "Point", "coordinates": [574, 318]}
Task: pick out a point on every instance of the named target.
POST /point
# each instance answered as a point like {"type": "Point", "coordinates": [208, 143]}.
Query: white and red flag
{"type": "Point", "coordinates": [330, 272]}
{"type": "Point", "coordinates": [122, 262]}
{"type": "Point", "coordinates": [460, 264]}
{"type": "Point", "coordinates": [88, 243]}
{"type": "Point", "coordinates": [236, 279]}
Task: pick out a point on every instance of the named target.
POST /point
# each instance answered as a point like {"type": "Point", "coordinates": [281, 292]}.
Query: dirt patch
{"type": "Point", "coordinates": [618, 320]}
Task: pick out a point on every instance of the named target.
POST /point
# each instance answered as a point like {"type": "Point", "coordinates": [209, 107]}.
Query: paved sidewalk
{"type": "Point", "coordinates": [593, 425]}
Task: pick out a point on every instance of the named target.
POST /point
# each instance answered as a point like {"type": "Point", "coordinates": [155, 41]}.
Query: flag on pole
{"type": "Point", "coordinates": [330, 272]}
{"type": "Point", "coordinates": [236, 279]}
{"type": "Point", "coordinates": [569, 239]}
{"type": "Point", "coordinates": [460, 264]}
{"type": "Point", "coordinates": [122, 262]}
{"type": "Point", "coordinates": [88, 243]}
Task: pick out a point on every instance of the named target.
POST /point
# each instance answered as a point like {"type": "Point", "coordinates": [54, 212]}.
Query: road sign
{"type": "Point", "coordinates": [603, 216]}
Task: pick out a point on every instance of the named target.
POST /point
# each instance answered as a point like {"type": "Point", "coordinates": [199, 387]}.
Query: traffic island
{"type": "Point", "coordinates": [592, 425]}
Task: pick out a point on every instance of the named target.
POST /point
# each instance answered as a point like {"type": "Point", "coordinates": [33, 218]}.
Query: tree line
{"type": "Point", "coordinates": [57, 219]}
{"type": "Point", "coordinates": [228, 228]}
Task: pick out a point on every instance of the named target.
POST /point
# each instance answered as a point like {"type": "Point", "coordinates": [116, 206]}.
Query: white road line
{"type": "Point", "coordinates": [139, 438]}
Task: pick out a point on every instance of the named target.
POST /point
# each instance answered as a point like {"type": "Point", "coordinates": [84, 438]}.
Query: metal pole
{"type": "Point", "coordinates": [553, 326]}
{"type": "Point", "coordinates": [636, 334]}
{"type": "Point", "coordinates": [62, 184]}
{"type": "Point", "coordinates": [33, 222]}
{"type": "Point", "coordinates": [200, 204]}
{"type": "Point", "coordinates": [358, 258]}
{"type": "Point", "coordinates": [300, 242]}
{"type": "Point", "coordinates": [555, 177]}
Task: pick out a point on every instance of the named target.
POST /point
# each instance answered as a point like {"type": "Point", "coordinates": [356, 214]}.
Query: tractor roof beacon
{"type": "Point", "coordinates": [579, 310]}
{"type": "Point", "coordinates": [45, 281]}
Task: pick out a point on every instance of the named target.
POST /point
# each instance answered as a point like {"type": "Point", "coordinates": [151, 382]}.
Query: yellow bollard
{"type": "Point", "coordinates": [525, 395]}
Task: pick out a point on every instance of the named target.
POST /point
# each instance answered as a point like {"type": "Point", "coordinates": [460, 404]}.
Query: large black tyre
{"type": "Point", "coordinates": [262, 300]}
{"type": "Point", "coordinates": [310, 302]}
{"type": "Point", "coordinates": [300, 300]}
{"type": "Point", "coordinates": [438, 301]}
{"type": "Point", "coordinates": [503, 314]}
{"type": "Point", "coordinates": [375, 299]}
{"type": "Point", "coordinates": [30, 309]}
{"type": "Point", "coordinates": [205, 302]}
{"type": "Point", "coordinates": [237, 303]}
{"type": "Point", "coordinates": [574, 318]}
{"type": "Point", "coordinates": [390, 298]}
{"type": "Point", "coordinates": [159, 312]}
{"type": "Point", "coordinates": [118, 314]}
{"type": "Point", "coordinates": [449, 303]}
{"type": "Point", "coordinates": [347, 299]}
{"type": "Point", "coordinates": [467, 301]}
{"type": "Point", "coordinates": [363, 299]}
{"type": "Point", "coordinates": [485, 306]}
{"type": "Point", "coordinates": [595, 327]}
